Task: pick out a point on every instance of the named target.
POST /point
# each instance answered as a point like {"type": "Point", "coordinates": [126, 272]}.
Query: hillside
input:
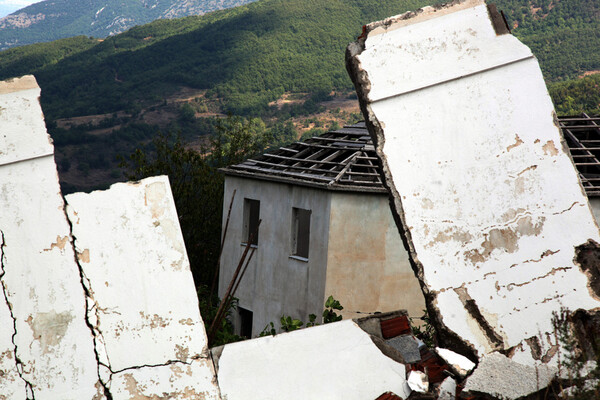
{"type": "Point", "coordinates": [55, 19]}
{"type": "Point", "coordinates": [250, 55]}
{"type": "Point", "coordinates": [280, 60]}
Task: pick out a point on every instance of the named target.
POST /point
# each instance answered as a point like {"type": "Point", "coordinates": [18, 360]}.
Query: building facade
{"type": "Point", "coordinates": [327, 229]}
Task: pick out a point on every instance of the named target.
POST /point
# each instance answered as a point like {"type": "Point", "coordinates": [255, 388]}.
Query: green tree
{"type": "Point", "coordinates": [197, 185]}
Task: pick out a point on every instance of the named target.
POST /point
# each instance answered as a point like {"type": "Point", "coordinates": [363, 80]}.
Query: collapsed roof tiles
{"type": "Point", "coordinates": [481, 179]}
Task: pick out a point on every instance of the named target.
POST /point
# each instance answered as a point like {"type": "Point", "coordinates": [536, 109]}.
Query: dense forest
{"type": "Point", "coordinates": [250, 55]}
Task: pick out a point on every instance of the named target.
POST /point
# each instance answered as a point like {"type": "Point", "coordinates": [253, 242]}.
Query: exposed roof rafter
{"type": "Point", "coordinates": [345, 159]}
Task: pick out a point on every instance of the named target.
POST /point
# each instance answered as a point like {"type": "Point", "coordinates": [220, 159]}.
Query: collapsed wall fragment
{"type": "Point", "coordinates": [43, 328]}
{"type": "Point", "coordinates": [97, 300]}
{"type": "Point", "coordinates": [482, 185]}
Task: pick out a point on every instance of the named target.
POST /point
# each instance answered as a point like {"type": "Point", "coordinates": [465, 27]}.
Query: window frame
{"type": "Point", "coordinates": [251, 217]}
{"type": "Point", "coordinates": [300, 238]}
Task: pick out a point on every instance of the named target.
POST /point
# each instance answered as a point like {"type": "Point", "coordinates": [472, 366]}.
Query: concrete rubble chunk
{"type": "Point", "coordinates": [418, 381]}
{"type": "Point", "coordinates": [499, 376]}
{"type": "Point", "coordinates": [337, 360]}
{"type": "Point", "coordinates": [131, 231]}
{"type": "Point", "coordinates": [459, 363]}
{"type": "Point", "coordinates": [473, 157]}
{"type": "Point", "coordinates": [408, 346]}
{"type": "Point", "coordinates": [447, 389]}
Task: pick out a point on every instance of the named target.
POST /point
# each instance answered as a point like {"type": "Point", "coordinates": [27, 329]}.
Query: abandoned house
{"type": "Point", "coordinates": [327, 228]}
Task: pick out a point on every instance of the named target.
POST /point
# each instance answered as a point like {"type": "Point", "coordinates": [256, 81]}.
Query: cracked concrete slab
{"type": "Point", "coordinates": [128, 242]}
{"type": "Point", "coordinates": [337, 360]}
{"type": "Point", "coordinates": [177, 381]}
{"type": "Point", "coordinates": [95, 299]}
{"type": "Point", "coordinates": [503, 378]}
{"type": "Point", "coordinates": [13, 387]}
{"type": "Point", "coordinates": [483, 186]}
{"type": "Point", "coordinates": [41, 283]}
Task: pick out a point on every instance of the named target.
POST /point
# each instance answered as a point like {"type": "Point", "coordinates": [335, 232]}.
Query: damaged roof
{"type": "Point", "coordinates": [582, 134]}
{"type": "Point", "coordinates": [345, 159]}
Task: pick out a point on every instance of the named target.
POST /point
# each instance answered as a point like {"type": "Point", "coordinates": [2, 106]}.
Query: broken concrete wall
{"type": "Point", "coordinates": [482, 183]}
{"type": "Point", "coordinates": [142, 298]}
{"type": "Point", "coordinates": [338, 360]}
{"type": "Point", "coordinates": [43, 302]}
{"type": "Point", "coordinates": [100, 304]}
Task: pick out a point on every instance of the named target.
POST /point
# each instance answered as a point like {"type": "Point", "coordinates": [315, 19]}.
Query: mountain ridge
{"type": "Point", "coordinates": [56, 19]}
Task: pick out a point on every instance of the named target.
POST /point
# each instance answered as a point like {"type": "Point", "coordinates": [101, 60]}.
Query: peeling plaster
{"type": "Point", "coordinates": [494, 254]}
{"type": "Point", "coordinates": [11, 366]}
{"type": "Point", "coordinates": [54, 350]}
{"type": "Point", "coordinates": [63, 275]}
{"type": "Point", "coordinates": [142, 342]}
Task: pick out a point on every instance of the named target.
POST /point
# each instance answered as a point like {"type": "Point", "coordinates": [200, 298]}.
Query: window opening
{"type": "Point", "coordinates": [300, 232]}
{"type": "Point", "coordinates": [251, 217]}
{"type": "Point", "coordinates": [245, 322]}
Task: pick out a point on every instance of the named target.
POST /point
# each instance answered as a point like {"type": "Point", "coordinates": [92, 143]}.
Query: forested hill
{"type": "Point", "coordinates": [250, 55]}
{"type": "Point", "coordinates": [55, 19]}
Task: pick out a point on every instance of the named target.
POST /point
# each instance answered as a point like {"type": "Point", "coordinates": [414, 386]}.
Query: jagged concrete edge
{"type": "Point", "coordinates": [419, 15]}
{"type": "Point", "coordinates": [360, 78]}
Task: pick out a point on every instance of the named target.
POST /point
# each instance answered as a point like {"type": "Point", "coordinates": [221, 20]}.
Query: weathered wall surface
{"type": "Point", "coordinates": [368, 268]}
{"type": "Point", "coordinates": [42, 308]}
{"type": "Point", "coordinates": [97, 305]}
{"type": "Point", "coordinates": [129, 243]}
{"type": "Point", "coordinates": [335, 361]}
{"type": "Point", "coordinates": [487, 194]}
{"type": "Point", "coordinates": [276, 284]}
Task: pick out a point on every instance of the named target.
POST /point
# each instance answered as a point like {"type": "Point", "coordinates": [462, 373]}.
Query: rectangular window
{"type": "Point", "coordinates": [251, 217]}
{"type": "Point", "coordinates": [300, 232]}
{"type": "Point", "coordinates": [245, 322]}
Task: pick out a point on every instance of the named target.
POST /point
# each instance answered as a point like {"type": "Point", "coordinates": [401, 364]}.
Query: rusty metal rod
{"type": "Point", "coordinates": [216, 274]}
{"type": "Point", "coordinates": [221, 310]}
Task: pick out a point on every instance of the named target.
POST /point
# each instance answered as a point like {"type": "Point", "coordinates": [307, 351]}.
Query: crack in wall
{"type": "Point", "coordinates": [88, 297]}
{"type": "Point", "coordinates": [166, 364]}
{"type": "Point", "coordinates": [494, 339]}
{"type": "Point", "coordinates": [360, 78]}
{"type": "Point", "coordinates": [29, 392]}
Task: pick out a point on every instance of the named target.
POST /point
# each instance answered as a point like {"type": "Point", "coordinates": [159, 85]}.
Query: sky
{"type": "Point", "coordinates": [9, 6]}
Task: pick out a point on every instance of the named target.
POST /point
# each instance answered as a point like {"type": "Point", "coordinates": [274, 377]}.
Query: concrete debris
{"type": "Point", "coordinates": [503, 378]}
{"type": "Point", "coordinates": [97, 302]}
{"type": "Point", "coordinates": [338, 360]}
{"type": "Point", "coordinates": [418, 381]}
{"type": "Point", "coordinates": [589, 386]}
{"type": "Point", "coordinates": [460, 364]}
{"type": "Point", "coordinates": [495, 254]}
{"type": "Point", "coordinates": [447, 389]}
{"type": "Point", "coordinates": [408, 346]}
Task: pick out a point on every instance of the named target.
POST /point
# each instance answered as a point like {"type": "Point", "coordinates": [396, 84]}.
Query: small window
{"type": "Point", "coordinates": [251, 217]}
{"type": "Point", "coordinates": [300, 232]}
{"type": "Point", "coordinates": [245, 322]}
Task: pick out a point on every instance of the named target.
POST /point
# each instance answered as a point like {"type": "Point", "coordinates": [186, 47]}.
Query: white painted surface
{"type": "Point", "coordinates": [129, 244]}
{"type": "Point", "coordinates": [333, 361]}
{"type": "Point", "coordinates": [460, 363]}
{"type": "Point", "coordinates": [41, 278]}
{"type": "Point", "coordinates": [418, 381]}
{"type": "Point", "coordinates": [177, 381]}
{"type": "Point", "coordinates": [488, 196]}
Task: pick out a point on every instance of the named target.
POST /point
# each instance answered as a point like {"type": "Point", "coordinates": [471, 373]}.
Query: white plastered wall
{"type": "Point", "coordinates": [488, 195]}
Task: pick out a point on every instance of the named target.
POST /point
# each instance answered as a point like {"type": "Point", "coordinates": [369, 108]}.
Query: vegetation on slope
{"type": "Point", "coordinates": [250, 55]}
